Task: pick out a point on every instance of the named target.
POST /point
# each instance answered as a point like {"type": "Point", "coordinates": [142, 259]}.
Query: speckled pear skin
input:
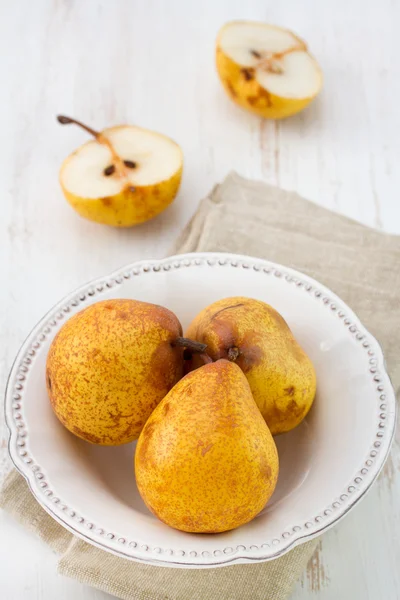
{"type": "Point", "coordinates": [206, 461]}
{"type": "Point", "coordinates": [281, 375]}
{"type": "Point", "coordinates": [110, 365]}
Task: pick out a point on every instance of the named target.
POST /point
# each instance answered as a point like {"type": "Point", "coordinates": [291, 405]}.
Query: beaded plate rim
{"type": "Point", "coordinates": [137, 550]}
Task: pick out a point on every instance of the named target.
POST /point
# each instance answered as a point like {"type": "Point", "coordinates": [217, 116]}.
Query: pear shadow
{"type": "Point", "coordinates": [295, 451]}
{"type": "Point", "coordinates": [114, 465]}
{"type": "Point", "coordinates": [305, 121]}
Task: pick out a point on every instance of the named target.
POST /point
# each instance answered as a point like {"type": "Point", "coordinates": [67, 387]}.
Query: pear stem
{"type": "Point", "coordinates": [120, 168]}
{"type": "Point", "coordinates": [204, 357]}
{"type": "Point", "coordinates": [192, 345]}
{"type": "Point", "coordinates": [68, 121]}
{"type": "Point", "coordinates": [233, 353]}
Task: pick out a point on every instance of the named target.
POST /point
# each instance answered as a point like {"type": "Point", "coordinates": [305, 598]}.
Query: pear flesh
{"type": "Point", "coordinates": [206, 461]}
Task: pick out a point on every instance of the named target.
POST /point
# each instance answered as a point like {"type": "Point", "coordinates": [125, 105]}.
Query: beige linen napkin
{"type": "Point", "coordinates": [247, 217]}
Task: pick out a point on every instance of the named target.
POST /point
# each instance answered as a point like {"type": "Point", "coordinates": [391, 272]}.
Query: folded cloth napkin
{"type": "Point", "coordinates": [247, 217]}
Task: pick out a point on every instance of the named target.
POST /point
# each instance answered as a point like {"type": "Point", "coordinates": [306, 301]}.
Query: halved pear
{"type": "Point", "coordinates": [266, 69]}
{"type": "Point", "coordinates": [125, 176]}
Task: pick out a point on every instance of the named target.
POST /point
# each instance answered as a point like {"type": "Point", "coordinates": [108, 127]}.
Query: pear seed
{"type": "Point", "coordinates": [109, 170]}
{"type": "Point", "coordinates": [130, 164]}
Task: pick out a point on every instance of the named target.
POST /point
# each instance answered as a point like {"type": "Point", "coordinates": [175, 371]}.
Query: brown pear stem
{"type": "Point", "coordinates": [233, 353]}
{"type": "Point", "coordinates": [192, 345]}
{"type": "Point", "coordinates": [68, 121]}
{"type": "Point", "coordinates": [120, 169]}
{"type": "Point", "coordinates": [205, 358]}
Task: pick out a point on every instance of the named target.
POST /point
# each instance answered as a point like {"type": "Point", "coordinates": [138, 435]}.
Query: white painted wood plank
{"type": "Point", "coordinates": [152, 64]}
{"type": "Point", "coordinates": [29, 569]}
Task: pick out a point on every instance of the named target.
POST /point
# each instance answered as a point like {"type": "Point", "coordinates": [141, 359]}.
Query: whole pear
{"type": "Point", "coordinates": [110, 365]}
{"type": "Point", "coordinates": [257, 338]}
{"type": "Point", "coordinates": [206, 461]}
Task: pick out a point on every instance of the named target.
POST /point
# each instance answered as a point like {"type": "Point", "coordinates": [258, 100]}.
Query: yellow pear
{"type": "Point", "coordinates": [257, 338]}
{"type": "Point", "coordinates": [265, 69]}
{"type": "Point", "coordinates": [125, 176]}
{"type": "Point", "coordinates": [206, 461]}
{"type": "Point", "coordinates": [110, 365]}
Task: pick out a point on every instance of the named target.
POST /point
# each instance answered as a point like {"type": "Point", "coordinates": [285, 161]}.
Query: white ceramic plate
{"type": "Point", "coordinates": [326, 465]}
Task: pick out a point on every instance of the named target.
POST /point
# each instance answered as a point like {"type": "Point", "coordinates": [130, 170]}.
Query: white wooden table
{"type": "Point", "coordinates": [152, 63]}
